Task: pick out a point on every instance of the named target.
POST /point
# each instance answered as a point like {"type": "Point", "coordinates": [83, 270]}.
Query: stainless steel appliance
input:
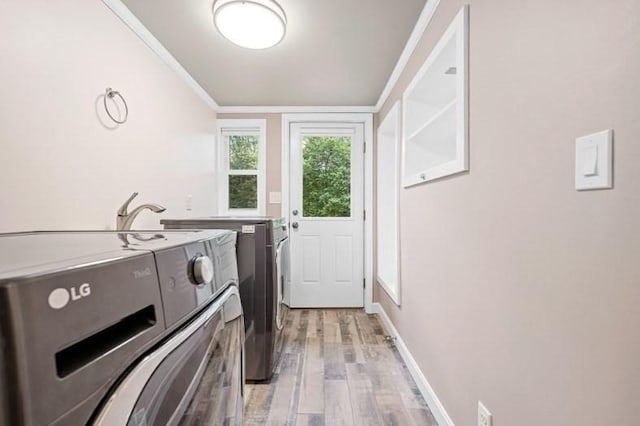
{"type": "Point", "coordinates": [263, 267]}
{"type": "Point", "coordinates": [120, 329]}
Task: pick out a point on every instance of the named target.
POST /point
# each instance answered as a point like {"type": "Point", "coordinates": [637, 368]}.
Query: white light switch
{"type": "Point", "coordinates": [590, 161]}
{"type": "Point", "coordinates": [594, 161]}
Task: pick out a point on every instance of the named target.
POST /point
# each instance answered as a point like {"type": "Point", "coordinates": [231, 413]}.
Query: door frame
{"type": "Point", "coordinates": [367, 120]}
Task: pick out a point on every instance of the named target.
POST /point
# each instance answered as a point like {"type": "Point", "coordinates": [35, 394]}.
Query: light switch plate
{"type": "Point", "coordinates": [594, 161]}
{"type": "Point", "coordinates": [275, 197]}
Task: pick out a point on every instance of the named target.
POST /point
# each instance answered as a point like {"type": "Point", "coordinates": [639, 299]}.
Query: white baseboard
{"type": "Point", "coordinates": [423, 385]}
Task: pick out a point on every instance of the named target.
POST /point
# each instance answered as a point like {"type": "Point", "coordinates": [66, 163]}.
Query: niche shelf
{"type": "Point", "coordinates": [435, 110]}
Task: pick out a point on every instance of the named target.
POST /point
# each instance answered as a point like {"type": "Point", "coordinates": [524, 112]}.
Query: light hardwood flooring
{"type": "Point", "coordinates": [336, 369]}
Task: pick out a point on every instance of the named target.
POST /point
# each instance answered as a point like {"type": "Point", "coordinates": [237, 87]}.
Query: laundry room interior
{"type": "Point", "coordinates": [359, 212]}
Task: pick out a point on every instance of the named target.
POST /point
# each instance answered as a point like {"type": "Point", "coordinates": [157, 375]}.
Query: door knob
{"type": "Point", "coordinates": [294, 225]}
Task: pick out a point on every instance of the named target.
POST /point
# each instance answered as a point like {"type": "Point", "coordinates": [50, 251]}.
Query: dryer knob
{"type": "Point", "coordinates": [202, 270]}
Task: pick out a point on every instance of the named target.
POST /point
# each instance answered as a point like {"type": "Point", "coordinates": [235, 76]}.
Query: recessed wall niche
{"type": "Point", "coordinates": [435, 110]}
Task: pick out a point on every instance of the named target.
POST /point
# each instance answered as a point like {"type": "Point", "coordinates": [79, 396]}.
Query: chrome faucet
{"type": "Point", "coordinates": [124, 220]}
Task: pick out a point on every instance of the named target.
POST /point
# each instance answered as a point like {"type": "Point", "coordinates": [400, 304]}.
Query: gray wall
{"type": "Point", "coordinates": [63, 163]}
{"type": "Point", "coordinates": [518, 290]}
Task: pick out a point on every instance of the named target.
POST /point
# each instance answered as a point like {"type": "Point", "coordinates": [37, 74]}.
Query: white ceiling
{"type": "Point", "coordinates": [335, 52]}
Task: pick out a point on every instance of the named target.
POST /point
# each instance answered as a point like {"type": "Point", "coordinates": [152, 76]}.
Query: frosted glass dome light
{"type": "Point", "coordinates": [254, 24]}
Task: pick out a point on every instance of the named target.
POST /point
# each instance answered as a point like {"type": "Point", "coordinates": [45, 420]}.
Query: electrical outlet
{"type": "Point", "coordinates": [484, 416]}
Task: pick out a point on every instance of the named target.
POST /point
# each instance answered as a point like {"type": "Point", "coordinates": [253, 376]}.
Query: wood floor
{"type": "Point", "coordinates": [336, 369]}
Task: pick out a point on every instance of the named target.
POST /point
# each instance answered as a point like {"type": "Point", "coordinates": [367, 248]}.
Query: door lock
{"type": "Point", "coordinates": [295, 212]}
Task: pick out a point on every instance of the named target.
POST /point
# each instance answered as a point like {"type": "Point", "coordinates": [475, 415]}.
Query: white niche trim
{"type": "Point", "coordinates": [435, 109]}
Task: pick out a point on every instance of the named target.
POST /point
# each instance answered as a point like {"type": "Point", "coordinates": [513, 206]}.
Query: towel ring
{"type": "Point", "coordinates": [110, 93]}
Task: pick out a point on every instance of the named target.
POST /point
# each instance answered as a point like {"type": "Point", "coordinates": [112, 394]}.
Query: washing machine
{"type": "Point", "coordinates": [109, 328]}
{"type": "Point", "coordinates": [263, 267]}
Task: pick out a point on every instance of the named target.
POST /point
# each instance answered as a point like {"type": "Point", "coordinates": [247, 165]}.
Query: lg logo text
{"type": "Point", "coordinates": [60, 297]}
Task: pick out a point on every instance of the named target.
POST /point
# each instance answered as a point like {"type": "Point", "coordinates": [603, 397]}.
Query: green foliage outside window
{"type": "Point", "coordinates": [243, 191]}
{"type": "Point", "coordinates": [243, 152]}
{"type": "Point", "coordinates": [326, 176]}
{"type": "Point", "coordinates": [243, 155]}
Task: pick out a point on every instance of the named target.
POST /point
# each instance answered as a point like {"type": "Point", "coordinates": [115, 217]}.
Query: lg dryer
{"type": "Point", "coordinates": [263, 266]}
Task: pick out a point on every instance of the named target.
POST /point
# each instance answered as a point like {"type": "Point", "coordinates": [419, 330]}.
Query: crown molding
{"type": "Point", "coordinates": [130, 20]}
{"type": "Point", "coordinates": [293, 109]}
{"type": "Point", "coordinates": [423, 21]}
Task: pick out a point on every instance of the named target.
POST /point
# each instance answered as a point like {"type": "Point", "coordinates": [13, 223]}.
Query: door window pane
{"type": "Point", "coordinates": [243, 191]}
{"type": "Point", "coordinates": [243, 152]}
{"type": "Point", "coordinates": [326, 176]}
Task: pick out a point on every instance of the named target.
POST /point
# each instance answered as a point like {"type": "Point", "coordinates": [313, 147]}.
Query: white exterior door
{"type": "Point", "coordinates": [326, 211]}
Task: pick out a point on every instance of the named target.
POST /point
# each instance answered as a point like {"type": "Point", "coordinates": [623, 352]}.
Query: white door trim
{"type": "Point", "coordinates": [367, 120]}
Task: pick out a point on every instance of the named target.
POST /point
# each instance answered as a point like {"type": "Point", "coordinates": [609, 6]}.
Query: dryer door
{"type": "Point", "coordinates": [282, 284]}
{"type": "Point", "coordinates": [196, 376]}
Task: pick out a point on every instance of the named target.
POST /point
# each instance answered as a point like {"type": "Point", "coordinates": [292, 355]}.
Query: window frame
{"type": "Point", "coordinates": [388, 225]}
{"type": "Point", "coordinates": [241, 127]}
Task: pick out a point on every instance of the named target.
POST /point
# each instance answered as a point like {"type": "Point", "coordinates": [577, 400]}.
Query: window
{"type": "Point", "coordinates": [388, 203]}
{"type": "Point", "coordinates": [242, 165]}
{"type": "Point", "coordinates": [326, 176]}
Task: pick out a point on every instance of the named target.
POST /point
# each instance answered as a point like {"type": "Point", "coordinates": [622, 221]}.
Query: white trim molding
{"type": "Point", "coordinates": [130, 20]}
{"type": "Point", "coordinates": [369, 213]}
{"type": "Point", "coordinates": [425, 388]}
{"type": "Point", "coordinates": [388, 204]}
{"type": "Point", "coordinates": [423, 21]}
{"type": "Point", "coordinates": [294, 109]}
{"type": "Point", "coordinates": [422, 114]}
{"type": "Point", "coordinates": [367, 120]}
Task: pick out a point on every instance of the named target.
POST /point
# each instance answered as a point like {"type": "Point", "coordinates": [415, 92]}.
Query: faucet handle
{"type": "Point", "coordinates": [122, 211]}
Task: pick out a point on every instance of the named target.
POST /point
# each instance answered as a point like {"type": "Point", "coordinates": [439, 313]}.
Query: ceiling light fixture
{"type": "Point", "coordinates": [254, 24]}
